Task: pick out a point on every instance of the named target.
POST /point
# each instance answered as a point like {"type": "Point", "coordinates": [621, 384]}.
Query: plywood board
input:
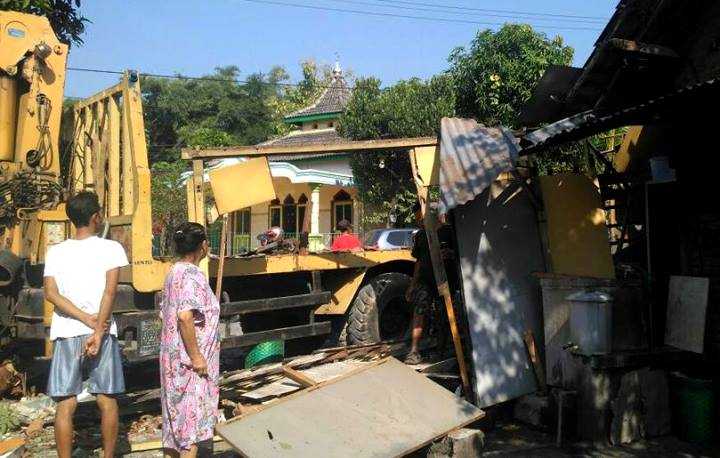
{"type": "Point", "coordinates": [577, 236]}
{"type": "Point", "coordinates": [239, 186]}
{"type": "Point", "coordinates": [499, 248]}
{"type": "Point", "coordinates": [386, 409]}
{"type": "Point", "coordinates": [687, 306]}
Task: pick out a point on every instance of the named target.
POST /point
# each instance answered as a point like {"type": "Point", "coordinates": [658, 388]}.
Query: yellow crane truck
{"type": "Point", "coordinates": [358, 297]}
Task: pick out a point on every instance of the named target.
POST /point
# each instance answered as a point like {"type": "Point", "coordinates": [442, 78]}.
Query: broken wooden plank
{"type": "Point", "coordinates": [298, 377]}
{"type": "Point", "coordinates": [382, 409]}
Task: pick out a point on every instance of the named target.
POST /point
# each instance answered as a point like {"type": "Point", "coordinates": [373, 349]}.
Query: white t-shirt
{"type": "Point", "coordinates": [79, 268]}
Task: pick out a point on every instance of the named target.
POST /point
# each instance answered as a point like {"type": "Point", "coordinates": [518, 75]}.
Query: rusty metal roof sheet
{"type": "Point", "coordinates": [472, 156]}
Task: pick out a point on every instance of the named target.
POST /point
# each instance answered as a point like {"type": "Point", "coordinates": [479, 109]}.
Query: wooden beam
{"type": "Point", "coordinates": [346, 146]}
{"type": "Point", "coordinates": [641, 48]}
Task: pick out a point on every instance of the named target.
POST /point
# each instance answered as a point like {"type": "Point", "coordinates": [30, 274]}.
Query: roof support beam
{"type": "Point", "coordinates": [340, 147]}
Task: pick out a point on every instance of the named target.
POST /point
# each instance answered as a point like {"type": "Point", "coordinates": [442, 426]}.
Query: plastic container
{"type": "Point", "coordinates": [591, 321]}
{"type": "Point", "coordinates": [693, 408]}
{"type": "Point", "coordinates": [264, 353]}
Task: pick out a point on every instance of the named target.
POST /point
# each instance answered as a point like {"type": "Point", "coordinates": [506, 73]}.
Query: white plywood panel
{"type": "Point", "coordinates": [687, 306]}
{"type": "Point", "coordinates": [499, 249]}
{"type": "Point", "coordinates": [383, 410]}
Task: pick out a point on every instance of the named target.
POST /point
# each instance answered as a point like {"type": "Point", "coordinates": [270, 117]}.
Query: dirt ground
{"type": "Point", "coordinates": [515, 440]}
{"type": "Point", "coordinates": [506, 440]}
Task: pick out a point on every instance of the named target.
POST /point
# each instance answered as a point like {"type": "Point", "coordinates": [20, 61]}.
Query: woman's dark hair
{"type": "Point", "coordinates": [188, 237]}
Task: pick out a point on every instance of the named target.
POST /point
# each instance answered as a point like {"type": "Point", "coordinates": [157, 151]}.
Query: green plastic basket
{"type": "Point", "coordinates": [693, 408]}
{"type": "Point", "coordinates": [267, 352]}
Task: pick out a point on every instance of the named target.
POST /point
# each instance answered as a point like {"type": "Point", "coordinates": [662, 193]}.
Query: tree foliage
{"type": "Point", "coordinates": [169, 202]}
{"type": "Point", "coordinates": [221, 110]}
{"type": "Point", "coordinates": [411, 108]}
{"type": "Point", "coordinates": [495, 76]}
{"type": "Point", "coordinates": [64, 16]}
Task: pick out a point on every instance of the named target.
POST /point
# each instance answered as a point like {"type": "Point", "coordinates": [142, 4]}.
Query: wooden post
{"type": "Point", "coordinates": [529, 339]}
{"type": "Point", "coordinates": [431, 222]}
{"type": "Point", "coordinates": [221, 254]}
{"type": "Point", "coordinates": [431, 226]}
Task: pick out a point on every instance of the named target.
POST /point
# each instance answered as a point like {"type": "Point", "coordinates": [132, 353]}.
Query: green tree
{"type": "Point", "coordinates": [169, 205]}
{"type": "Point", "coordinates": [64, 16]}
{"type": "Point", "coordinates": [411, 108]}
{"type": "Point", "coordinates": [216, 111]}
{"type": "Point", "coordinates": [496, 74]}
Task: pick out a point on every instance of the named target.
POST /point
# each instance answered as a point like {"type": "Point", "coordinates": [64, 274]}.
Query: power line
{"type": "Point", "coordinates": [195, 78]}
{"type": "Point", "coordinates": [405, 16]}
{"type": "Point", "coordinates": [445, 9]}
{"type": "Point", "coordinates": [487, 10]}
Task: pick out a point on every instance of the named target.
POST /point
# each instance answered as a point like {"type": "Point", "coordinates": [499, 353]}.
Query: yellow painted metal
{"type": "Point", "coordinates": [577, 236]}
{"type": "Point", "coordinates": [30, 51]}
{"type": "Point", "coordinates": [113, 139]}
{"type": "Point", "coordinates": [56, 214]}
{"type": "Point", "coordinates": [8, 117]}
{"type": "Point", "coordinates": [427, 164]}
{"type": "Point", "coordinates": [308, 262]}
{"type": "Point", "coordinates": [344, 285]}
{"type": "Point", "coordinates": [254, 177]}
{"type": "Point", "coordinates": [120, 172]}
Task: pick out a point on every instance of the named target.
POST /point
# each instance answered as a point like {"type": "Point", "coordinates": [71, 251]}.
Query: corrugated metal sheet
{"type": "Point", "coordinates": [472, 156]}
{"type": "Point", "coordinates": [673, 104]}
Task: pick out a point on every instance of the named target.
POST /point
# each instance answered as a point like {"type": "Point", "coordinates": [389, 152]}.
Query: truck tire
{"type": "Point", "coordinates": [380, 312]}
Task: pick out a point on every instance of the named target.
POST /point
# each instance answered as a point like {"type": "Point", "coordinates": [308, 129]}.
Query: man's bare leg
{"type": "Point", "coordinates": [417, 331]}
{"type": "Point", "coordinates": [64, 426]}
{"type": "Point", "coordinates": [108, 423]}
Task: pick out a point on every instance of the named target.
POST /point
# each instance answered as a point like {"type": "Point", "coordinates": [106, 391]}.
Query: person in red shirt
{"type": "Point", "coordinates": [346, 241]}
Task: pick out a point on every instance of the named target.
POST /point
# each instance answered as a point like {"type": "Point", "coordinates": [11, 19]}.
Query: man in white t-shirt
{"type": "Point", "coordinates": [81, 277]}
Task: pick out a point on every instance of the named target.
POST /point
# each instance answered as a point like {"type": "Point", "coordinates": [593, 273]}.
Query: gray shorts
{"type": "Point", "coordinates": [69, 367]}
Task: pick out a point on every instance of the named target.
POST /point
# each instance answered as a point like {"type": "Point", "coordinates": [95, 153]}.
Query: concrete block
{"type": "Point", "coordinates": [628, 424]}
{"type": "Point", "coordinates": [461, 443]}
{"type": "Point", "coordinates": [641, 407]}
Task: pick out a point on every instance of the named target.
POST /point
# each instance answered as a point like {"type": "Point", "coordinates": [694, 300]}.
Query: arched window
{"type": "Point", "coordinates": [289, 216]}
{"type": "Point", "coordinates": [301, 209]}
{"type": "Point", "coordinates": [342, 208]}
{"type": "Point", "coordinates": [274, 213]}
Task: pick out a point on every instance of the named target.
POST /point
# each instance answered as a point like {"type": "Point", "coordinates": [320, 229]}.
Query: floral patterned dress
{"type": "Point", "coordinates": [189, 402]}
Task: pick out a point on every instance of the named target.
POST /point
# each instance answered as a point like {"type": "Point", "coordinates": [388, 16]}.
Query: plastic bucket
{"type": "Point", "coordinates": [693, 408]}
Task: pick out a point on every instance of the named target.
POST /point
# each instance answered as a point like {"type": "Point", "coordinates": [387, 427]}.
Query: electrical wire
{"type": "Point", "coordinates": [447, 9]}
{"type": "Point", "coordinates": [194, 78]}
{"type": "Point", "coordinates": [600, 19]}
{"type": "Point", "coordinates": [405, 16]}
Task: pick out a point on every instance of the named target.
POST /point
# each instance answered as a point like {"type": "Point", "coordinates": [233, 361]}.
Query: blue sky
{"type": "Point", "coordinates": [193, 37]}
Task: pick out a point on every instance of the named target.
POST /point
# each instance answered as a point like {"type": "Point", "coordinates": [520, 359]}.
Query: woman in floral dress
{"type": "Point", "coordinates": [189, 349]}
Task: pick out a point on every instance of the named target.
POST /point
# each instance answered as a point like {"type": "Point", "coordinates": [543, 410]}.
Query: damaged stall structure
{"type": "Point", "coordinates": [649, 302]}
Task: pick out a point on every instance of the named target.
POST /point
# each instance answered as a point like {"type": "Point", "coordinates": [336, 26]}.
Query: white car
{"type": "Point", "coordinates": [389, 239]}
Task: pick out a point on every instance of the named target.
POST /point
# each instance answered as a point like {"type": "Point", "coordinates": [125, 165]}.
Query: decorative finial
{"type": "Point", "coordinates": [337, 71]}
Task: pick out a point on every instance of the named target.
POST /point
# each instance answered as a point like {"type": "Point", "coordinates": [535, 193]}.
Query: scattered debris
{"type": "Point", "coordinates": [383, 408]}
{"type": "Point", "coordinates": [36, 407]}
{"type": "Point", "coordinates": [11, 381]}
{"type": "Point", "coordinates": [12, 448]}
